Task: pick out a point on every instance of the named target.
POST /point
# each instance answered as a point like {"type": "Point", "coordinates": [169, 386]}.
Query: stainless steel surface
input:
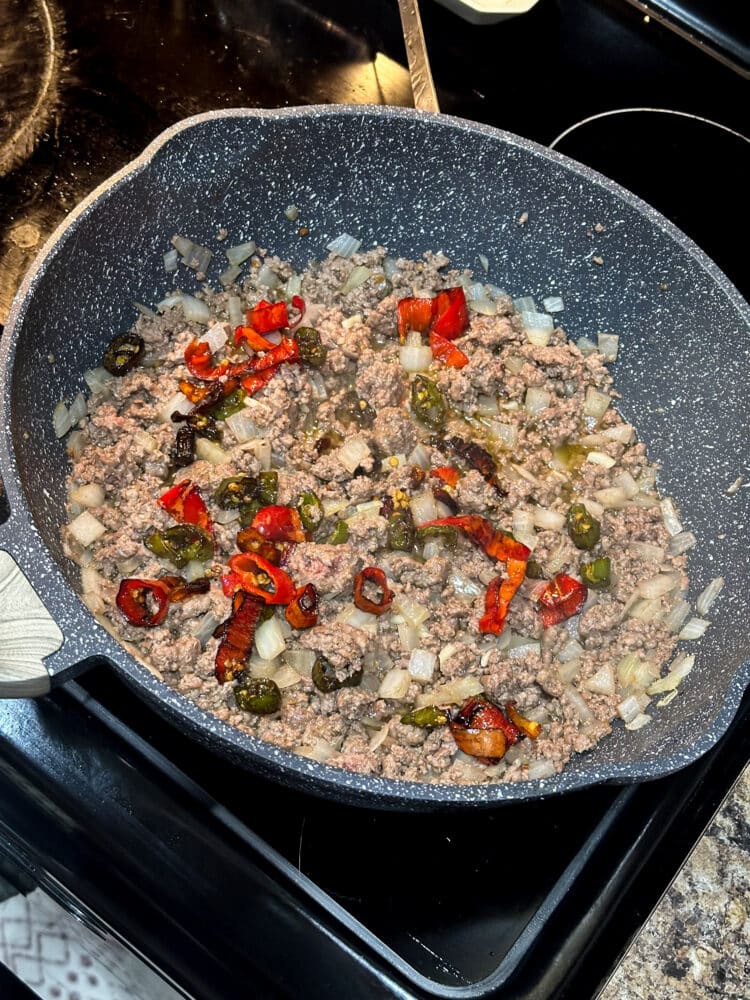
{"type": "Point", "coordinates": [422, 84]}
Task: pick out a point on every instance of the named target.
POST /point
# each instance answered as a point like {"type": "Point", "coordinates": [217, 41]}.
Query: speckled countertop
{"type": "Point", "coordinates": [696, 943]}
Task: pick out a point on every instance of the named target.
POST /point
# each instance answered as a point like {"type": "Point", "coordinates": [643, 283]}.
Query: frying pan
{"type": "Point", "coordinates": [413, 181]}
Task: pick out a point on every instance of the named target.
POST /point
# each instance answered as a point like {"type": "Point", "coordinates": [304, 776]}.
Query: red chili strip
{"type": "Point", "coordinates": [258, 577]}
{"type": "Point", "coordinates": [268, 316]}
{"type": "Point", "coordinates": [185, 504]}
{"type": "Point", "coordinates": [481, 531]}
{"type": "Point", "coordinates": [447, 473]}
{"type": "Point", "coordinates": [252, 339]}
{"type": "Point", "coordinates": [236, 636]}
{"type": "Point", "coordinates": [199, 361]}
{"type": "Point", "coordinates": [371, 574]}
{"type": "Point", "coordinates": [481, 730]}
{"type": "Point", "coordinates": [287, 350]}
{"type": "Point", "coordinates": [303, 610]}
{"type": "Point", "coordinates": [279, 524]}
{"type": "Point", "coordinates": [252, 383]}
{"type": "Point", "coordinates": [563, 597]}
{"type": "Point", "coordinates": [500, 593]}
{"type": "Point", "coordinates": [143, 603]}
{"type": "Point", "coordinates": [181, 590]}
{"type": "Point", "coordinates": [451, 314]}
{"type": "Point", "coordinates": [414, 314]}
{"type": "Point", "coordinates": [447, 352]}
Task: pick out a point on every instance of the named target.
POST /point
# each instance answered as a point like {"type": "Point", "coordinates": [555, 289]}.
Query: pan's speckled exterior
{"type": "Point", "coordinates": [414, 182]}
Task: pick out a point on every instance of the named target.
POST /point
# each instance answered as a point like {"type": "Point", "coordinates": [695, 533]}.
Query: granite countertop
{"type": "Point", "coordinates": [696, 943]}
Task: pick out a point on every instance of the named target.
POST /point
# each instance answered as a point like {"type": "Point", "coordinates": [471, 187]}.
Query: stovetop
{"type": "Point", "coordinates": [221, 880]}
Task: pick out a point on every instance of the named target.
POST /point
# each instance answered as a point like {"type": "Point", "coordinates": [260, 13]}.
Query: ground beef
{"type": "Point", "coordinates": [303, 423]}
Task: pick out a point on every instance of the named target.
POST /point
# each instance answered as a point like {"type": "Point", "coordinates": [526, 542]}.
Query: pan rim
{"type": "Point", "coordinates": [306, 774]}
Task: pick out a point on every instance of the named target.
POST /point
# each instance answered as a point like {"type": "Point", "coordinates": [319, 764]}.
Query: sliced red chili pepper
{"type": "Point", "coordinates": [562, 598]}
{"type": "Point", "coordinates": [268, 316]}
{"type": "Point", "coordinates": [252, 383]}
{"type": "Point", "coordinates": [447, 473]}
{"type": "Point", "coordinates": [447, 352]}
{"type": "Point", "coordinates": [414, 314]}
{"type": "Point", "coordinates": [451, 314]}
{"type": "Point", "coordinates": [143, 603]}
{"type": "Point", "coordinates": [528, 726]}
{"type": "Point", "coordinates": [237, 635]}
{"type": "Point", "coordinates": [259, 577]}
{"type": "Point", "coordinates": [287, 350]}
{"type": "Point", "coordinates": [481, 730]}
{"type": "Point", "coordinates": [371, 574]}
{"type": "Point", "coordinates": [252, 339]}
{"type": "Point", "coordinates": [181, 590]}
{"type": "Point", "coordinates": [481, 531]}
{"type": "Point", "coordinates": [250, 540]}
{"type": "Point", "coordinates": [279, 524]}
{"type": "Point", "coordinates": [185, 504]}
{"type": "Point", "coordinates": [298, 303]}
{"type": "Point", "coordinates": [199, 361]}
{"type": "Point", "coordinates": [303, 610]}
{"type": "Point", "coordinates": [500, 593]}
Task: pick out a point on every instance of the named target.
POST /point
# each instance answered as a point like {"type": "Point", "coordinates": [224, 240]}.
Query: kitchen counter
{"type": "Point", "coordinates": [696, 943]}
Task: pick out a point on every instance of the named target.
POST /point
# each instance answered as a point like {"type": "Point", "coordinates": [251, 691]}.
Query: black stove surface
{"type": "Point", "coordinates": [228, 883]}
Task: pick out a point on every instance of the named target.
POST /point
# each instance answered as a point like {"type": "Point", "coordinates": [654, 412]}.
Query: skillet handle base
{"type": "Point", "coordinates": [27, 634]}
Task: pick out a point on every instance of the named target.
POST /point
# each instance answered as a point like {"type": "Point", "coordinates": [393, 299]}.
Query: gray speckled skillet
{"type": "Point", "coordinates": [412, 181]}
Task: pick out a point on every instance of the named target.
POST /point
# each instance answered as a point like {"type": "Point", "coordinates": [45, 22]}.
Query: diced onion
{"type": "Point", "coordinates": [88, 495]}
{"type": "Point", "coordinates": [203, 628]}
{"type": "Point", "coordinates": [557, 558]}
{"type": "Point", "coordinates": [317, 385]}
{"type": "Point", "coordinates": [261, 448]}
{"type": "Point", "coordinates": [243, 427]}
{"type": "Point", "coordinates": [230, 274]}
{"type": "Point", "coordinates": [291, 212]}
{"type": "Point", "coordinates": [320, 751]}
{"type": "Point", "coordinates": [669, 515]}
{"type": "Point", "coordinates": [86, 529]}
{"type": "Point", "coordinates": [578, 704]}
{"type": "Point", "coordinates": [658, 586]}
{"type": "Point", "coordinates": [536, 399]}
{"type": "Point", "coordinates": [226, 516]}
{"type": "Point", "coordinates": [484, 261]}
{"type": "Point", "coordinates": [415, 359]}
{"type": "Point", "coordinates": [569, 671]}
{"type": "Point", "coordinates": [216, 337]}
{"type": "Point", "coordinates": [524, 304]}
{"type": "Point", "coordinates": [61, 420]}
{"type": "Point", "coordinates": [195, 570]}
{"type": "Point", "coordinates": [357, 276]}
{"type": "Point", "coordinates": [344, 245]}
{"type": "Point", "coordinates": [645, 610]}
{"type": "Point", "coordinates": [641, 720]}
{"type": "Point", "coordinates": [97, 379]}
{"type": "Point", "coordinates": [179, 403]}
{"type": "Point", "coordinates": [269, 639]}
{"type": "Point", "coordinates": [78, 409]}
{"type": "Point", "coordinates": [463, 586]}
{"type": "Point", "coordinates": [209, 451]}
{"type": "Point", "coordinates": [169, 302]}
{"type": "Point", "coordinates": [595, 403]}
{"type": "Point", "coordinates": [301, 660]}
{"type": "Point", "coordinates": [586, 346]}
{"type": "Point", "coordinates": [353, 453]}
{"type": "Point", "coordinates": [681, 543]}
{"type": "Point", "coordinates": [420, 456]}
{"type": "Point", "coordinates": [537, 321]}
{"type": "Point", "coordinates": [234, 307]}
{"type": "Point", "coordinates": [240, 253]}
{"type": "Point", "coordinates": [194, 309]}
{"type": "Point", "coordinates": [505, 434]}
{"type": "Point", "coordinates": [613, 497]}
{"type": "Point", "coordinates": [422, 664]}
{"type": "Point", "coordinates": [601, 458]}
{"type": "Point", "coordinates": [395, 684]}
{"type": "Point", "coordinates": [678, 671]}
{"type": "Point", "coordinates": [629, 709]}
{"type": "Point", "coordinates": [608, 344]}
{"type": "Point", "coordinates": [627, 484]}
{"type": "Point", "coordinates": [571, 651]}
{"type": "Point", "coordinates": [411, 610]}
{"type": "Point", "coordinates": [452, 693]}
{"type": "Point", "coordinates": [635, 674]}
{"type": "Point", "coordinates": [548, 520]}
{"type": "Point", "coordinates": [423, 508]}
{"type": "Point", "coordinates": [677, 617]}
{"type": "Point", "coordinates": [540, 769]}
{"type": "Point", "coordinates": [408, 636]}
{"type": "Point", "coordinates": [553, 304]}
{"type": "Point", "coordinates": [171, 260]}
{"type": "Point", "coordinates": [649, 552]}
{"type": "Point", "coordinates": [709, 595]}
{"type": "Point", "coordinates": [694, 628]}
{"type": "Point", "coordinates": [286, 676]}
{"type": "Point", "coordinates": [620, 432]}
{"type": "Point", "coordinates": [183, 245]}
{"type": "Point", "coordinates": [75, 444]}
{"type": "Point", "coordinates": [354, 616]}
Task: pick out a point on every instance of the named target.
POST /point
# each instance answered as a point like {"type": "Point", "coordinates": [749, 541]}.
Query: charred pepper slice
{"type": "Point", "coordinates": [481, 730]}
{"type": "Point", "coordinates": [185, 503]}
{"type": "Point", "coordinates": [583, 528]}
{"type": "Point", "coordinates": [327, 442]}
{"type": "Point", "coordinates": [310, 510]}
{"type": "Point", "coordinates": [260, 695]}
{"type": "Point", "coordinates": [259, 578]}
{"type": "Point", "coordinates": [235, 492]}
{"type": "Point", "coordinates": [324, 677]}
{"type": "Point", "coordinates": [597, 574]}
{"type": "Point", "coordinates": [447, 352]}
{"type": "Point", "coordinates": [268, 487]}
{"type": "Point", "coordinates": [413, 314]}
{"type": "Point", "coordinates": [531, 728]}
{"type": "Point", "coordinates": [311, 348]}
{"type": "Point", "coordinates": [371, 574]}
{"type": "Point", "coordinates": [248, 512]}
{"type": "Point", "coordinates": [426, 718]}
{"type": "Point", "coordinates": [268, 316]}
{"type": "Point", "coordinates": [123, 353]}
{"type": "Point", "coordinates": [250, 540]}
{"type": "Point", "coordinates": [236, 636]}
{"type": "Point", "coordinates": [181, 544]}
{"type": "Point", "coordinates": [562, 598]}
{"type": "Point", "coordinates": [355, 410]}
{"type": "Point", "coordinates": [234, 402]}
{"type": "Point", "coordinates": [495, 544]}
{"type": "Point", "coordinates": [143, 603]}
{"type": "Point", "coordinates": [182, 452]}
{"type": "Point", "coordinates": [499, 594]}
{"type": "Point", "coordinates": [451, 314]}
{"type": "Point", "coordinates": [447, 535]}
{"type": "Point", "coordinates": [278, 523]}
{"type": "Point", "coordinates": [428, 403]}
{"type": "Point", "coordinates": [400, 530]}
{"type": "Point", "coordinates": [199, 361]}
{"type": "Point", "coordinates": [181, 590]}
{"type": "Point", "coordinates": [302, 612]}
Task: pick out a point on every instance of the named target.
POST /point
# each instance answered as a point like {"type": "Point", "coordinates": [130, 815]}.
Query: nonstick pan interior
{"type": "Point", "coordinates": [412, 182]}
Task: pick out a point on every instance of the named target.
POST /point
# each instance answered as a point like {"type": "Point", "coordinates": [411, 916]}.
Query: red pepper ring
{"type": "Point", "coordinates": [500, 593]}
{"type": "Point", "coordinates": [259, 578]}
{"type": "Point", "coordinates": [371, 574]}
{"type": "Point", "coordinates": [236, 636]}
{"type": "Point", "coordinates": [143, 603]}
{"type": "Point", "coordinates": [303, 610]}
{"type": "Point", "coordinates": [185, 504]}
{"type": "Point", "coordinates": [563, 597]}
{"type": "Point", "coordinates": [198, 358]}
{"type": "Point", "coordinates": [481, 730]}
{"type": "Point", "coordinates": [279, 524]}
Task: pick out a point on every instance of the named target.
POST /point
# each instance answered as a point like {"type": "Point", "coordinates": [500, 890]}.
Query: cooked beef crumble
{"type": "Point", "coordinates": [526, 405]}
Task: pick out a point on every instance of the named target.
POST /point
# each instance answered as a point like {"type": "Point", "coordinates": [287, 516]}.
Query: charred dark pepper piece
{"type": "Point", "coordinates": [123, 353]}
